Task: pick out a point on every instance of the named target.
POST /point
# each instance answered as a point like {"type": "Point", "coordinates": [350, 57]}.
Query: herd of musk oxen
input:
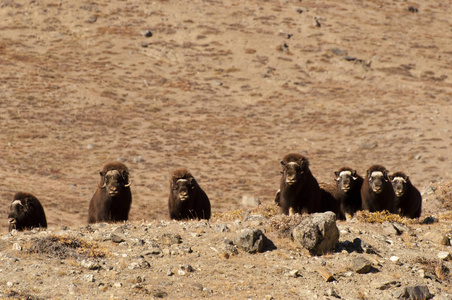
{"type": "Point", "coordinates": [299, 192]}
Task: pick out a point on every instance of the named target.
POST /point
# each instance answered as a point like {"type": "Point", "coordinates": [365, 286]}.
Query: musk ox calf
{"type": "Point", "coordinates": [408, 199]}
{"type": "Point", "coordinates": [299, 191]}
{"type": "Point", "coordinates": [377, 193]}
{"type": "Point", "coordinates": [112, 199]}
{"type": "Point", "coordinates": [186, 199]}
{"type": "Point", "coordinates": [348, 191]}
{"type": "Point", "coordinates": [26, 212]}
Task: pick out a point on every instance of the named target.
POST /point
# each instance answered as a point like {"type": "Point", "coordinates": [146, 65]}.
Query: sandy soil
{"type": "Point", "coordinates": [224, 88]}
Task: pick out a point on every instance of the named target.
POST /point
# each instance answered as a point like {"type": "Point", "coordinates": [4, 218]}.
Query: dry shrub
{"type": "Point", "coordinates": [283, 225]}
{"type": "Point", "coordinates": [379, 217]}
{"type": "Point", "coordinates": [228, 216]}
{"type": "Point", "coordinates": [268, 210]}
{"type": "Point", "coordinates": [64, 247]}
{"type": "Point", "coordinates": [435, 267]}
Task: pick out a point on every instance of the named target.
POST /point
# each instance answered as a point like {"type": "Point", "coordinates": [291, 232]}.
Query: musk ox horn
{"type": "Point", "coordinates": [102, 184]}
{"type": "Point", "coordinates": [128, 183]}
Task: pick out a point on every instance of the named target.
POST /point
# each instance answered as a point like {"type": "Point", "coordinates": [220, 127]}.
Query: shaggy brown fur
{"type": "Point", "coordinates": [299, 190]}
{"type": "Point", "coordinates": [112, 200]}
{"type": "Point", "coordinates": [377, 193]}
{"type": "Point", "coordinates": [348, 190]}
{"type": "Point", "coordinates": [408, 198]}
{"type": "Point", "coordinates": [186, 198]}
{"type": "Point", "coordinates": [26, 212]}
{"type": "Point", "coordinates": [329, 201]}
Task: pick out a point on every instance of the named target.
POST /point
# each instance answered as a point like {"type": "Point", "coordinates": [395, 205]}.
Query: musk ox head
{"type": "Point", "coordinates": [346, 179]}
{"type": "Point", "coordinates": [377, 177]}
{"type": "Point", "coordinates": [114, 178]}
{"type": "Point", "coordinates": [293, 168]}
{"type": "Point", "coordinates": [26, 212]}
{"type": "Point", "coordinates": [182, 188]}
{"type": "Point", "coordinates": [399, 182]}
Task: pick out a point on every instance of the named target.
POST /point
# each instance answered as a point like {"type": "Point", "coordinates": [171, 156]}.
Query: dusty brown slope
{"type": "Point", "coordinates": [224, 88]}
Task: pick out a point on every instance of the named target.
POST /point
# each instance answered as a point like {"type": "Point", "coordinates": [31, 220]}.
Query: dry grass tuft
{"type": "Point", "coordinates": [64, 247]}
{"type": "Point", "coordinates": [379, 217]}
{"type": "Point", "coordinates": [268, 210]}
{"type": "Point", "coordinates": [228, 216]}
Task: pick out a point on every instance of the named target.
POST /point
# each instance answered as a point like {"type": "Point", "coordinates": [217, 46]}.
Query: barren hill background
{"type": "Point", "coordinates": [224, 88]}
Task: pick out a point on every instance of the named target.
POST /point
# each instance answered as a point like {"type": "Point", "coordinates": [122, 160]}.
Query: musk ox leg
{"type": "Point", "coordinates": [292, 211]}
{"type": "Point", "coordinates": [348, 216]}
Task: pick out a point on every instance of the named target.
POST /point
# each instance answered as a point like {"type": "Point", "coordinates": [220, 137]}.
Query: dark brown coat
{"type": "Point", "coordinates": [329, 201]}
{"type": "Point", "coordinates": [348, 190]}
{"type": "Point", "coordinates": [299, 190]}
{"type": "Point", "coordinates": [186, 198]}
{"type": "Point", "coordinates": [377, 193]}
{"type": "Point", "coordinates": [408, 198]}
{"type": "Point", "coordinates": [26, 212]}
{"type": "Point", "coordinates": [112, 200]}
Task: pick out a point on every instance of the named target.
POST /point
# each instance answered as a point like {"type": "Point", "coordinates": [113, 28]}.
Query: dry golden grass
{"type": "Point", "coordinates": [64, 247]}
{"type": "Point", "coordinates": [444, 193]}
{"type": "Point", "coordinates": [379, 217]}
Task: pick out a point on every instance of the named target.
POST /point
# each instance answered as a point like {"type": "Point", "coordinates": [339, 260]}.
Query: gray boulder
{"type": "Point", "coordinates": [317, 233]}
{"type": "Point", "coordinates": [250, 240]}
{"type": "Point", "coordinates": [418, 292]}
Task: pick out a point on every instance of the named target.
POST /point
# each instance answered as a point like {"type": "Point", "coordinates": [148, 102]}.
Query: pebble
{"type": "Point", "coordinates": [146, 33]}
{"type": "Point", "coordinates": [394, 259]}
{"type": "Point", "coordinates": [17, 247]}
{"type": "Point", "coordinates": [89, 278]}
{"type": "Point", "coordinates": [117, 284]}
{"type": "Point", "coordinates": [444, 255]}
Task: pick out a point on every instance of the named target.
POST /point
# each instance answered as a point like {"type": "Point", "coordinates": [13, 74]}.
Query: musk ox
{"type": "Point", "coordinates": [112, 199]}
{"type": "Point", "coordinates": [186, 198]}
{"type": "Point", "coordinates": [299, 191]}
{"type": "Point", "coordinates": [377, 193]}
{"type": "Point", "coordinates": [348, 191]}
{"type": "Point", "coordinates": [408, 198]}
{"type": "Point", "coordinates": [26, 212]}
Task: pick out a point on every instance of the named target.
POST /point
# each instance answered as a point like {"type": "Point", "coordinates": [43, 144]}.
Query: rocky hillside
{"type": "Point", "coordinates": [377, 256]}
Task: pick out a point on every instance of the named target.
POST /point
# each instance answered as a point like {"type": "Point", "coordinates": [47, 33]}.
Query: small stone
{"type": "Point", "coordinates": [17, 247]}
{"type": "Point", "coordinates": [181, 272]}
{"type": "Point", "coordinates": [250, 240]}
{"type": "Point", "coordinates": [144, 45]}
{"type": "Point", "coordinates": [146, 33]}
{"type": "Point", "coordinates": [292, 273]}
{"type": "Point", "coordinates": [10, 283]}
{"type": "Point", "coordinates": [169, 273]}
{"type": "Point", "coordinates": [116, 238]}
{"type": "Point", "coordinates": [361, 265]}
{"type": "Point", "coordinates": [91, 19]}
{"type": "Point", "coordinates": [250, 201]}
{"type": "Point", "coordinates": [89, 278]}
{"type": "Point", "coordinates": [117, 284]}
{"type": "Point", "coordinates": [339, 52]}
{"type": "Point", "coordinates": [170, 239]}
{"type": "Point", "coordinates": [444, 255]}
{"type": "Point", "coordinates": [394, 259]}
{"type": "Point", "coordinates": [188, 268]}
{"type": "Point", "coordinates": [429, 220]}
{"type": "Point", "coordinates": [418, 292]}
{"type": "Point", "coordinates": [388, 285]}
{"type": "Point", "coordinates": [137, 159]}
{"type": "Point", "coordinates": [421, 273]}
{"type": "Point", "coordinates": [221, 228]}
{"type": "Point", "coordinates": [332, 293]}
{"type": "Point", "coordinates": [90, 146]}
{"type": "Point", "coordinates": [91, 265]}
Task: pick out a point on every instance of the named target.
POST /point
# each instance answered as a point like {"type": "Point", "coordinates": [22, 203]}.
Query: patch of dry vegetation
{"type": "Point", "coordinates": [379, 217]}
{"type": "Point", "coordinates": [64, 247]}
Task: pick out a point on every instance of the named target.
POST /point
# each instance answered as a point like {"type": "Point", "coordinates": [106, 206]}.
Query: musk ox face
{"type": "Point", "coordinates": [183, 189]}
{"type": "Point", "coordinates": [17, 213]}
{"type": "Point", "coordinates": [114, 181]}
{"type": "Point", "coordinates": [399, 183]}
{"type": "Point", "coordinates": [293, 171]}
{"type": "Point", "coordinates": [346, 180]}
{"type": "Point", "coordinates": [377, 180]}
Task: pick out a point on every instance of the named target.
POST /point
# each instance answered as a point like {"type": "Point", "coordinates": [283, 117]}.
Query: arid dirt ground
{"type": "Point", "coordinates": [224, 88]}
